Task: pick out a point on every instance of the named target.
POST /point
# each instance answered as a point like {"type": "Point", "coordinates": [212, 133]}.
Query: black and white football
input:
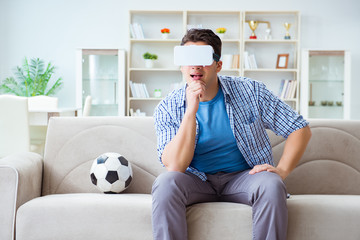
{"type": "Point", "coordinates": [111, 173]}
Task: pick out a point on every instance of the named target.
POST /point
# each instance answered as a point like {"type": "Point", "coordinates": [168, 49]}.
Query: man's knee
{"type": "Point", "coordinates": [167, 183]}
{"type": "Point", "coordinates": [271, 186]}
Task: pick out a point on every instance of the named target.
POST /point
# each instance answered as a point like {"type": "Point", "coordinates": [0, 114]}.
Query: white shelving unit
{"type": "Point", "coordinates": [266, 50]}
{"type": "Point", "coordinates": [325, 84]}
{"type": "Point", "coordinates": [235, 42]}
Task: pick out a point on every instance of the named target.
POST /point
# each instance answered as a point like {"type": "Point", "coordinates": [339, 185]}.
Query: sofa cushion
{"type": "Point", "coordinates": [85, 216]}
{"type": "Point", "coordinates": [324, 217]}
{"type": "Point", "coordinates": [128, 216]}
{"type": "Point", "coordinates": [219, 220]}
{"type": "Point", "coordinates": [320, 217]}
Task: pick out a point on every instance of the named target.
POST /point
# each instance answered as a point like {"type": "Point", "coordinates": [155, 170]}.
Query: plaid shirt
{"type": "Point", "coordinates": [251, 108]}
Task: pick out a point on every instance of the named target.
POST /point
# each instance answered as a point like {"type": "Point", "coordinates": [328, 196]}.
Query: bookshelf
{"type": "Point", "coordinates": [266, 49]}
{"type": "Point", "coordinates": [164, 75]}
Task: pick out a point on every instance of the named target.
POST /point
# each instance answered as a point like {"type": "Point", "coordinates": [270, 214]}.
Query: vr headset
{"type": "Point", "coordinates": [194, 55]}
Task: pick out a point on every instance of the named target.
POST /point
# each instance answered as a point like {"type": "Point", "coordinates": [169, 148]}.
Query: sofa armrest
{"type": "Point", "coordinates": [20, 181]}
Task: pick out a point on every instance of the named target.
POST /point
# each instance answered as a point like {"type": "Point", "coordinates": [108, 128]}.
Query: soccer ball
{"type": "Point", "coordinates": [111, 173]}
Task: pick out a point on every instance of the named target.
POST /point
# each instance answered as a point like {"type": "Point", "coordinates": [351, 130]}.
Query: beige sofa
{"type": "Point", "coordinates": [53, 198]}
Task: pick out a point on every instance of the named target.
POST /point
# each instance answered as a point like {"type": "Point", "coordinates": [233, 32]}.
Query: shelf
{"type": "Point", "coordinates": [155, 40]}
{"type": "Point", "coordinates": [230, 40]}
{"type": "Point", "coordinates": [230, 69]}
{"type": "Point", "coordinates": [156, 12]}
{"type": "Point", "coordinates": [271, 70]}
{"type": "Point", "coordinates": [212, 12]}
{"type": "Point", "coordinates": [271, 12]}
{"type": "Point", "coordinates": [178, 41]}
{"type": "Point", "coordinates": [270, 41]}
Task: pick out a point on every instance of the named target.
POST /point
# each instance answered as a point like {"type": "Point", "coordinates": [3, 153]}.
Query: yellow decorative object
{"type": "Point", "coordinates": [221, 30]}
{"type": "Point", "coordinates": [287, 27]}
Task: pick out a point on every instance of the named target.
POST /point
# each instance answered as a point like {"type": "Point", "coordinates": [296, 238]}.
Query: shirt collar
{"type": "Point", "coordinates": [224, 87]}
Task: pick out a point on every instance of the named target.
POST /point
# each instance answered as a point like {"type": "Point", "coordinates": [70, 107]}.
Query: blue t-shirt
{"type": "Point", "coordinates": [216, 149]}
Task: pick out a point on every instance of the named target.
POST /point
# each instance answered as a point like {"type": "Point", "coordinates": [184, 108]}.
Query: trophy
{"type": "Point", "coordinates": [268, 34]}
{"type": "Point", "coordinates": [287, 27]}
{"type": "Point", "coordinates": [253, 25]}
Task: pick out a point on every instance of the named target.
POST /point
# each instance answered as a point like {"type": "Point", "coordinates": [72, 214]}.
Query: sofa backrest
{"type": "Point", "coordinates": [331, 162]}
{"type": "Point", "coordinates": [330, 165]}
{"type": "Point", "coordinates": [74, 142]}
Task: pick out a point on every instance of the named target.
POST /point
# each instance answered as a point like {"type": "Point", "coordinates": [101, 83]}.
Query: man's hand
{"type": "Point", "coordinates": [194, 91]}
{"type": "Point", "coordinates": [295, 146]}
{"type": "Point", "coordinates": [267, 167]}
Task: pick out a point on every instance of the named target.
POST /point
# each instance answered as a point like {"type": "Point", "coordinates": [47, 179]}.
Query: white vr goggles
{"type": "Point", "coordinates": [194, 55]}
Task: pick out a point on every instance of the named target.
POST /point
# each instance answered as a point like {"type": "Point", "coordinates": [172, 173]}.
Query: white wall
{"type": "Point", "coordinates": [52, 30]}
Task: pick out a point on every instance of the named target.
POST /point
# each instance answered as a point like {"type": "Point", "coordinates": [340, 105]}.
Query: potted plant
{"type": "Point", "coordinates": [221, 32]}
{"type": "Point", "coordinates": [149, 59]}
{"type": "Point", "coordinates": [165, 33]}
{"type": "Point", "coordinates": [32, 79]}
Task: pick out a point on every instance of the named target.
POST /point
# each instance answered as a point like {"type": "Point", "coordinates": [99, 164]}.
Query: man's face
{"type": "Point", "coordinates": [205, 73]}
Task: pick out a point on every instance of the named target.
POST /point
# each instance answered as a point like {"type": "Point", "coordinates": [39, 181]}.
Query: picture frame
{"type": "Point", "coordinates": [282, 60]}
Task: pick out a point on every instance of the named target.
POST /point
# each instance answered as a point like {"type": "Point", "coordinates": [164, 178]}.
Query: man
{"type": "Point", "coordinates": [212, 140]}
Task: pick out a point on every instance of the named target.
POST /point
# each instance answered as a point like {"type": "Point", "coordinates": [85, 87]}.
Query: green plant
{"type": "Point", "coordinates": [148, 55]}
{"type": "Point", "coordinates": [31, 79]}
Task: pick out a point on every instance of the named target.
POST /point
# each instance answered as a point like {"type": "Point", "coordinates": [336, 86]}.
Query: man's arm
{"type": "Point", "coordinates": [295, 146]}
{"type": "Point", "coordinates": [179, 152]}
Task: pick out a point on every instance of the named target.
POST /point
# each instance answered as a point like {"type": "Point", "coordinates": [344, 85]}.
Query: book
{"type": "Point", "coordinates": [287, 89]}
{"type": "Point", "coordinates": [136, 31]}
{"type": "Point", "coordinates": [281, 87]}
{"type": "Point", "coordinates": [252, 60]}
{"type": "Point", "coordinates": [235, 61]}
{"type": "Point", "coordinates": [293, 89]}
{"type": "Point", "coordinates": [132, 31]}
{"type": "Point", "coordinates": [139, 90]}
{"type": "Point", "coordinates": [283, 91]}
{"type": "Point", "coordinates": [246, 60]}
{"type": "Point", "coordinates": [132, 89]}
{"type": "Point", "coordinates": [146, 93]}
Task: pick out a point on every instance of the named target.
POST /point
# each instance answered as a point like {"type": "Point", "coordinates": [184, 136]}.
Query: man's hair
{"type": "Point", "coordinates": [203, 35]}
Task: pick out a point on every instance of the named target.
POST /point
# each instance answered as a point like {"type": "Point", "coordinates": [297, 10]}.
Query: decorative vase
{"type": "Point", "coordinates": [164, 35]}
{"type": "Point", "coordinates": [149, 63]}
{"type": "Point", "coordinates": [221, 35]}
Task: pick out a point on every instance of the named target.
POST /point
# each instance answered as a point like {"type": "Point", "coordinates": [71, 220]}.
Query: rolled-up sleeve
{"type": "Point", "coordinates": [277, 115]}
